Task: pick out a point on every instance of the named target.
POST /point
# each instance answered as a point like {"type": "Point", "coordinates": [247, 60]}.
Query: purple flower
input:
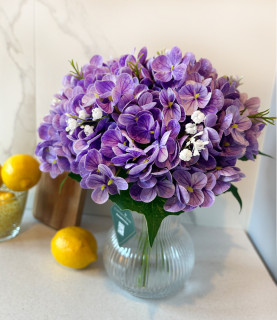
{"type": "Point", "coordinates": [143, 128]}
{"type": "Point", "coordinates": [114, 92]}
{"type": "Point", "coordinates": [239, 124]}
{"type": "Point", "coordinates": [105, 184]}
{"type": "Point", "coordinates": [111, 142]}
{"type": "Point", "coordinates": [169, 66]}
{"type": "Point", "coordinates": [171, 110]}
{"type": "Point", "coordinates": [195, 96]}
{"type": "Point", "coordinates": [209, 196]}
{"type": "Point", "coordinates": [148, 190]}
{"type": "Point", "coordinates": [192, 186]}
{"type": "Point", "coordinates": [53, 159]}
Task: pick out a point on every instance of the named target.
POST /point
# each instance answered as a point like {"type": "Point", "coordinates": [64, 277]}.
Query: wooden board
{"type": "Point", "coordinates": [58, 210]}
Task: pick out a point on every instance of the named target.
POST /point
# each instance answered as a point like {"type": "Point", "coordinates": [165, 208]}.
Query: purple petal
{"type": "Point", "coordinates": [104, 87]}
{"type": "Point", "coordinates": [161, 63]}
{"type": "Point", "coordinates": [182, 177]}
{"type": "Point", "coordinates": [209, 198]}
{"type": "Point", "coordinates": [139, 134]}
{"type": "Point", "coordinates": [142, 55]}
{"type": "Point", "coordinates": [174, 205]}
{"type": "Point", "coordinates": [100, 196]}
{"type": "Point", "coordinates": [43, 131]}
{"type": "Point", "coordinates": [196, 198]}
{"type": "Point", "coordinates": [135, 192]}
{"type": "Point", "coordinates": [221, 187]}
{"type": "Point", "coordinates": [127, 119]}
{"type": "Point", "coordinates": [210, 120]}
{"type": "Point", "coordinates": [148, 183]}
{"type": "Point", "coordinates": [106, 171]}
{"type": "Point", "coordinates": [165, 138]}
{"type": "Point", "coordinates": [175, 55]}
{"type": "Point", "coordinates": [165, 189]}
{"type": "Point", "coordinates": [239, 138]}
{"type": "Point", "coordinates": [182, 194]}
{"type": "Point", "coordinates": [112, 137]}
{"type": "Point", "coordinates": [120, 183]}
{"type": "Point", "coordinates": [217, 99]}
{"type": "Point", "coordinates": [163, 154]}
{"type": "Point", "coordinates": [163, 76]}
{"type": "Point", "coordinates": [148, 194]}
{"type": "Point", "coordinates": [124, 84]}
{"type": "Point", "coordinates": [106, 107]}
{"type": "Point", "coordinates": [45, 167]}
{"type": "Point", "coordinates": [122, 159]}
{"type": "Point", "coordinates": [244, 124]}
{"type": "Point", "coordinates": [95, 181]}
{"type": "Point", "coordinates": [96, 61]}
{"type": "Point", "coordinates": [179, 71]}
{"type": "Point", "coordinates": [174, 127]}
{"type": "Point", "coordinates": [166, 97]}
{"type": "Point", "coordinates": [211, 181]}
{"type": "Point", "coordinates": [137, 169]}
{"type": "Point", "coordinates": [93, 158]}
{"type": "Point", "coordinates": [63, 163]}
{"type": "Point", "coordinates": [145, 98]}
{"type": "Point", "coordinates": [146, 121]}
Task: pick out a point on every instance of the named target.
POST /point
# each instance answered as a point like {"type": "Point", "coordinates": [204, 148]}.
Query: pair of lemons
{"type": "Point", "coordinates": [73, 247]}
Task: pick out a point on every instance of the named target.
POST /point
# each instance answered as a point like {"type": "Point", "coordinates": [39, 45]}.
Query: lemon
{"type": "Point", "coordinates": [20, 172]}
{"type": "Point", "coordinates": [5, 195]}
{"type": "Point", "coordinates": [74, 247]}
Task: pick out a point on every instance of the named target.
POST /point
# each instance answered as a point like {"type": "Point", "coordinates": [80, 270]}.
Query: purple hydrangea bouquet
{"type": "Point", "coordinates": [158, 135]}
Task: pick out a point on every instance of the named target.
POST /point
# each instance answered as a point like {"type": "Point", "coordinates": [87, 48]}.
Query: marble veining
{"type": "Point", "coordinates": [17, 89]}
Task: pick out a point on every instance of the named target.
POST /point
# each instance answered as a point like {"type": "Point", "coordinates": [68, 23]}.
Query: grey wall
{"type": "Point", "coordinates": [262, 226]}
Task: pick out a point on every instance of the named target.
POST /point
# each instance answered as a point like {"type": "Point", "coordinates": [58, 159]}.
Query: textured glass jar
{"type": "Point", "coordinates": [11, 211]}
{"type": "Point", "coordinates": [151, 272]}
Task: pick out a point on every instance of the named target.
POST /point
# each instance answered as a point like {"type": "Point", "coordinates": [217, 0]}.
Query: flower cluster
{"type": "Point", "coordinates": [166, 127]}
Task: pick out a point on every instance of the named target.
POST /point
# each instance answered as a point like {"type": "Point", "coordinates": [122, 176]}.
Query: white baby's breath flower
{"type": "Point", "coordinates": [88, 129]}
{"type": "Point", "coordinates": [185, 155]}
{"type": "Point", "coordinates": [83, 115]}
{"type": "Point", "coordinates": [97, 113]}
{"type": "Point", "coordinates": [197, 116]}
{"type": "Point", "coordinates": [191, 128]}
{"type": "Point", "coordinates": [71, 125]}
{"type": "Point", "coordinates": [199, 145]}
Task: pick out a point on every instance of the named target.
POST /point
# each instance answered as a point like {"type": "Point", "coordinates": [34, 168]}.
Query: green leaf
{"type": "Point", "coordinates": [266, 155]}
{"type": "Point", "coordinates": [75, 176]}
{"type": "Point", "coordinates": [235, 193]}
{"type": "Point", "coordinates": [244, 158]}
{"type": "Point", "coordinates": [62, 183]}
{"type": "Point", "coordinates": [153, 211]}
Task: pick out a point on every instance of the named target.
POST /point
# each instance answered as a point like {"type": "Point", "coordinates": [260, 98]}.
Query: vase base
{"type": "Point", "coordinates": [156, 295]}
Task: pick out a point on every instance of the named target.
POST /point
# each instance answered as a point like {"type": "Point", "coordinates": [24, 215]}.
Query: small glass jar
{"type": "Point", "coordinates": [11, 212]}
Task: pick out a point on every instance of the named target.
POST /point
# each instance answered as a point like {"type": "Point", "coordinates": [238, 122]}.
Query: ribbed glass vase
{"type": "Point", "coordinates": [149, 272]}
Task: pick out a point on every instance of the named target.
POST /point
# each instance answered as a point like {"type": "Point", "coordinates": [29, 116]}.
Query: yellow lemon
{"type": "Point", "coordinates": [5, 195]}
{"type": "Point", "coordinates": [74, 247]}
{"type": "Point", "coordinates": [20, 172]}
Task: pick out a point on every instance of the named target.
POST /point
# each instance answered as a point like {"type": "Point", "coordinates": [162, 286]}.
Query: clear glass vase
{"type": "Point", "coordinates": [11, 211]}
{"type": "Point", "coordinates": [149, 272]}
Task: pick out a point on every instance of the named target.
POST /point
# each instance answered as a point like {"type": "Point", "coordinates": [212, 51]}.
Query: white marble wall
{"type": "Point", "coordinates": [40, 36]}
{"type": "Point", "coordinates": [17, 81]}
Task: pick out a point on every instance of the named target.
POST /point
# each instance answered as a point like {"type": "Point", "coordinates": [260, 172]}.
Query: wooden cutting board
{"type": "Point", "coordinates": [58, 210]}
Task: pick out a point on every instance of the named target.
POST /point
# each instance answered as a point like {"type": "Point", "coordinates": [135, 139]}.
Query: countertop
{"type": "Point", "coordinates": [229, 281]}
